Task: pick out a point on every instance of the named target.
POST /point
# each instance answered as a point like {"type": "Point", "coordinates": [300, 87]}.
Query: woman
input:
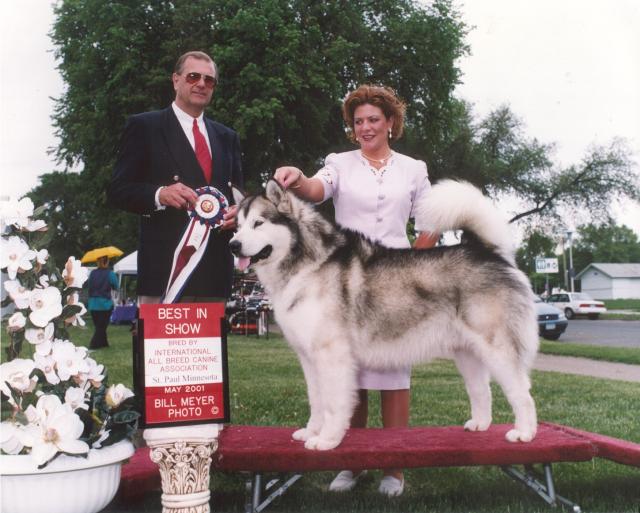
{"type": "Point", "coordinates": [101, 281]}
{"type": "Point", "coordinates": [374, 191]}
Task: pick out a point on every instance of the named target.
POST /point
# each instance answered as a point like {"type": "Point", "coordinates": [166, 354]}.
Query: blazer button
{"type": "Point", "coordinates": [176, 178]}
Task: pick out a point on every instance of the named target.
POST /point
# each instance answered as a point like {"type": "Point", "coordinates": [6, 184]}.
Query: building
{"type": "Point", "coordinates": [611, 281]}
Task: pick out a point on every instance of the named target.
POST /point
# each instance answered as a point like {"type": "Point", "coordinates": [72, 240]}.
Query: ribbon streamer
{"type": "Point", "coordinates": [206, 214]}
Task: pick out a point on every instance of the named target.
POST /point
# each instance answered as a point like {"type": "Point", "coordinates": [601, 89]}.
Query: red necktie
{"type": "Point", "coordinates": [202, 151]}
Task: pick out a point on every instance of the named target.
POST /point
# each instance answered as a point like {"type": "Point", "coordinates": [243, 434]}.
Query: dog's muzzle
{"type": "Point", "coordinates": [243, 261]}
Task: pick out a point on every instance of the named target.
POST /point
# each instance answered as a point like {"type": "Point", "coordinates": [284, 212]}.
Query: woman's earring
{"type": "Point", "coordinates": [390, 134]}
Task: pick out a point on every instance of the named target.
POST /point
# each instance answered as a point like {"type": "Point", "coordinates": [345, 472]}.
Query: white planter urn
{"type": "Point", "coordinates": [69, 484]}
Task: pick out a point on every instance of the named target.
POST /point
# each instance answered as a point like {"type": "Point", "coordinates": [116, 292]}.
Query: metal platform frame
{"type": "Point", "coordinates": [540, 483]}
{"type": "Point", "coordinates": [255, 490]}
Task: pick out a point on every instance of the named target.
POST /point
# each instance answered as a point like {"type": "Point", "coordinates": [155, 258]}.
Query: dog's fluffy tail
{"type": "Point", "coordinates": [452, 205]}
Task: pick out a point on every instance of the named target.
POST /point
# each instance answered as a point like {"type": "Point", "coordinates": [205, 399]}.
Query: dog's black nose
{"type": "Point", "coordinates": [235, 247]}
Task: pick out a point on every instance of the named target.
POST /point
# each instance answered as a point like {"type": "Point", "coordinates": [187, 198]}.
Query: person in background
{"type": "Point", "coordinates": [375, 191]}
{"type": "Point", "coordinates": [101, 282]}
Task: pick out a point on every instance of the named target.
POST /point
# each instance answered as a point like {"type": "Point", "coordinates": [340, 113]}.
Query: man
{"type": "Point", "coordinates": [162, 159]}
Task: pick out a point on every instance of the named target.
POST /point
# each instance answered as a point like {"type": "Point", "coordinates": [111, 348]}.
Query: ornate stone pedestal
{"type": "Point", "coordinates": [183, 455]}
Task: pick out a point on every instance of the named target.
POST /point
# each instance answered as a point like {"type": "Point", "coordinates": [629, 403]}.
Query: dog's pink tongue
{"type": "Point", "coordinates": [243, 263]}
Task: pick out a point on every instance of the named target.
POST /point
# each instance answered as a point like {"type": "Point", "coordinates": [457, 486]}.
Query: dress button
{"type": "Point", "coordinates": [379, 180]}
{"type": "Point", "coordinates": [379, 219]}
{"type": "Point", "coordinates": [380, 196]}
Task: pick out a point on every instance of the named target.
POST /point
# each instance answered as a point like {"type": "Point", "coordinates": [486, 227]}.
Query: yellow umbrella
{"type": "Point", "coordinates": [94, 254]}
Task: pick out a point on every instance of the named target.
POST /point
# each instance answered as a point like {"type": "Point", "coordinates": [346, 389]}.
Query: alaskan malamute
{"type": "Point", "coordinates": [343, 301]}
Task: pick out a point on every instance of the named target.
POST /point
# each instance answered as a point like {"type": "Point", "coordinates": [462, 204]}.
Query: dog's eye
{"type": "Point", "coordinates": [257, 223]}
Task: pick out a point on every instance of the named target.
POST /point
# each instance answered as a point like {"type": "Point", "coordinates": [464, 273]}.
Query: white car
{"type": "Point", "coordinates": [577, 303]}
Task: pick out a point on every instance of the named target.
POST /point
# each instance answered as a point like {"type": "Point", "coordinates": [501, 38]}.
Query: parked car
{"type": "Point", "coordinates": [577, 303]}
{"type": "Point", "coordinates": [551, 321]}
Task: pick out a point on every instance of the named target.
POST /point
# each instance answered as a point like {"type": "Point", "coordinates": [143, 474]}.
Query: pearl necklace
{"type": "Point", "coordinates": [379, 161]}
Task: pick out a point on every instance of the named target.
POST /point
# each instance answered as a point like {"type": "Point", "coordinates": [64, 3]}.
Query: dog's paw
{"type": "Point", "coordinates": [302, 435]}
{"type": "Point", "coordinates": [520, 435]}
{"type": "Point", "coordinates": [316, 443]}
{"type": "Point", "coordinates": [477, 425]}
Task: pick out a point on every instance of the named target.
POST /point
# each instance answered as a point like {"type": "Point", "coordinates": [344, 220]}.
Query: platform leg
{"type": "Point", "coordinates": [254, 502]}
{"type": "Point", "coordinates": [545, 490]}
{"type": "Point", "coordinates": [183, 455]}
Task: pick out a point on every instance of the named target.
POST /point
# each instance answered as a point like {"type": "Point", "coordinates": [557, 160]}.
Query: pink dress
{"type": "Point", "coordinates": [377, 203]}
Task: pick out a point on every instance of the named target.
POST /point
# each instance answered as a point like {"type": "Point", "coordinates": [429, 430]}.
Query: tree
{"type": "Point", "coordinates": [284, 68]}
{"type": "Point", "coordinates": [537, 245]}
{"type": "Point", "coordinates": [497, 156]}
{"type": "Point", "coordinates": [607, 243]}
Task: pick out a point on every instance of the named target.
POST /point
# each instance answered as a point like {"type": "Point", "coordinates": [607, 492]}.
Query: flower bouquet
{"type": "Point", "coordinates": [57, 400]}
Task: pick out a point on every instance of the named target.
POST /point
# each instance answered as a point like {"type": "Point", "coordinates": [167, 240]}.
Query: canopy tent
{"type": "Point", "coordinates": [127, 265]}
{"type": "Point", "coordinates": [126, 269]}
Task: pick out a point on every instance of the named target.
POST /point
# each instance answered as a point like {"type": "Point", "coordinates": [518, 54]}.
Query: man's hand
{"type": "Point", "coordinates": [229, 219]}
{"type": "Point", "coordinates": [178, 196]}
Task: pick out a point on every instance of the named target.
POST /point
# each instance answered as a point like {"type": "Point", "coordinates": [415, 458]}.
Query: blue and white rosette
{"type": "Point", "coordinates": [206, 214]}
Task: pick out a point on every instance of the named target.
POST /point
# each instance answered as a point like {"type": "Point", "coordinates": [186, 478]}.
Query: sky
{"type": "Point", "coordinates": [569, 69]}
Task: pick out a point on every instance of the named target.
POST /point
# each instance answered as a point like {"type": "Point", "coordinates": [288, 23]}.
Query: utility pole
{"type": "Point", "coordinates": [571, 274]}
{"type": "Point", "coordinates": [564, 264]}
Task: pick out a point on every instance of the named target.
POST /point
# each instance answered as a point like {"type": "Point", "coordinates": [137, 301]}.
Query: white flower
{"type": "Point", "coordinates": [10, 438]}
{"type": "Point", "coordinates": [17, 213]}
{"type": "Point", "coordinates": [104, 434]}
{"type": "Point", "coordinates": [43, 281]}
{"type": "Point", "coordinates": [74, 274]}
{"type": "Point", "coordinates": [17, 373]}
{"type": "Point", "coordinates": [57, 430]}
{"type": "Point", "coordinates": [76, 319]}
{"type": "Point", "coordinates": [41, 338]}
{"type": "Point", "coordinates": [94, 373]}
{"type": "Point", "coordinates": [75, 397]}
{"type": "Point", "coordinates": [18, 293]}
{"type": "Point", "coordinates": [15, 255]}
{"type": "Point", "coordinates": [116, 394]}
{"type": "Point", "coordinates": [36, 226]}
{"type": "Point", "coordinates": [42, 256]}
{"type": "Point", "coordinates": [45, 305]}
{"type": "Point", "coordinates": [70, 360]}
{"type": "Point", "coordinates": [47, 365]}
{"type": "Point", "coordinates": [16, 322]}
{"type": "Point", "coordinates": [32, 414]}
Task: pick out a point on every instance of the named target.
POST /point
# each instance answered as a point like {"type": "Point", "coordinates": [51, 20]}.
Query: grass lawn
{"type": "Point", "coordinates": [623, 304]}
{"type": "Point", "coordinates": [610, 354]}
{"type": "Point", "coordinates": [267, 388]}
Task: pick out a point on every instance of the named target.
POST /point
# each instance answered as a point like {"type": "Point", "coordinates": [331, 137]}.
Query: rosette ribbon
{"type": "Point", "coordinates": [206, 215]}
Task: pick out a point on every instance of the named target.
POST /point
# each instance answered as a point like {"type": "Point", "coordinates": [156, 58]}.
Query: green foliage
{"type": "Point", "coordinates": [495, 154]}
{"type": "Point", "coordinates": [284, 69]}
{"type": "Point", "coordinates": [605, 243]}
{"type": "Point", "coordinates": [537, 245]}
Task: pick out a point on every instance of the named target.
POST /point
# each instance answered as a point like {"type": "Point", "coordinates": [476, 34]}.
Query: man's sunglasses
{"type": "Point", "coordinates": [194, 78]}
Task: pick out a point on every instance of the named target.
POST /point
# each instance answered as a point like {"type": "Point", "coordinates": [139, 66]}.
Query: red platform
{"type": "Point", "coordinates": [271, 449]}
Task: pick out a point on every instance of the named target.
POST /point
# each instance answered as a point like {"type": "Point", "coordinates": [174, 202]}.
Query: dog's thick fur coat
{"type": "Point", "coordinates": [343, 301]}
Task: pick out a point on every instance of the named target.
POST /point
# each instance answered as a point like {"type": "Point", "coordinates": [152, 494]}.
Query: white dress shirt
{"type": "Point", "coordinates": [186, 122]}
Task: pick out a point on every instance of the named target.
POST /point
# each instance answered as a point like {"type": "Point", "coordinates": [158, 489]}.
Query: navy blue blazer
{"type": "Point", "coordinates": [155, 151]}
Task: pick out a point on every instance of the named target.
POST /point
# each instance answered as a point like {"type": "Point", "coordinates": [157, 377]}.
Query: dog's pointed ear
{"type": "Point", "coordinates": [277, 195]}
{"type": "Point", "coordinates": [238, 195]}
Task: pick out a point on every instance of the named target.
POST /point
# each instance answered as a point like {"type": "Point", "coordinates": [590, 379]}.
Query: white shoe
{"type": "Point", "coordinates": [345, 481]}
{"type": "Point", "coordinates": [391, 486]}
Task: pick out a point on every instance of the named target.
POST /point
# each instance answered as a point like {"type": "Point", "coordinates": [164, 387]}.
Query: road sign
{"type": "Point", "coordinates": [546, 265]}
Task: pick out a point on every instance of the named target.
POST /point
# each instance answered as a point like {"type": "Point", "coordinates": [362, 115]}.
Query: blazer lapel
{"type": "Point", "coordinates": [187, 164]}
{"type": "Point", "coordinates": [220, 169]}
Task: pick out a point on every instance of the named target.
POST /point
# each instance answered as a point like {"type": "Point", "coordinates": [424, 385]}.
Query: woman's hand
{"type": "Point", "coordinates": [288, 177]}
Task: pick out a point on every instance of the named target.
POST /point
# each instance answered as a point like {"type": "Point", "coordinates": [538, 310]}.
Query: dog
{"type": "Point", "coordinates": [344, 301]}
